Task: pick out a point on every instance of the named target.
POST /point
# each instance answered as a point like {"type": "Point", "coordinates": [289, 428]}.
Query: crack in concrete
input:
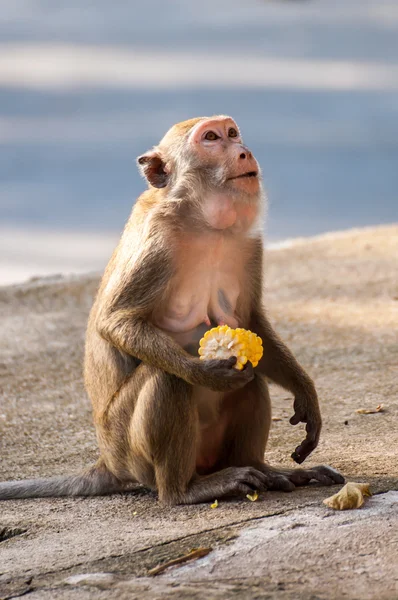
{"type": "Point", "coordinates": [25, 593]}
{"type": "Point", "coordinates": [59, 572]}
{"type": "Point", "coordinates": [7, 533]}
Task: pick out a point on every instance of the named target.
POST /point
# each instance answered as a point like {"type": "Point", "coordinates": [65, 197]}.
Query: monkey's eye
{"type": "Point", "coordinates": [211, 136]}
{"type": "Point", "coordinates": [232, 132]}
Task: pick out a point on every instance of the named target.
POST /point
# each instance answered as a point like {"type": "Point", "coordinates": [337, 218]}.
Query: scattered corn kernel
{"type": "Point", "coordinates": [253, 497]}
{"type": "Point", "coordinates": [215, 504]}
{"type": "Point", "coordinates": [223, 342]}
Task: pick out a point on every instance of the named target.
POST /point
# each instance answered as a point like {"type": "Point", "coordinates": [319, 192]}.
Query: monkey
{"type": "Point", "coordinates": [190, 258]}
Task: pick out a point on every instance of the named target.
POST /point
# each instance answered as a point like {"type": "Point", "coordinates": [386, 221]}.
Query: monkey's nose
{"type": "Point", "coordinates": [245, 154]}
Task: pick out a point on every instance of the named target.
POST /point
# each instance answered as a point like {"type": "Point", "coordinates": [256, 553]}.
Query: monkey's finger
{"type": "Point", "coordinates": [303, 450]}
{"type": "Point", "coordinates": [248, 366]}
{"type": "Point", "coordinates": [295, 419]}
{"type": "Point", "coordinates": [248, 370]}
{"type": "Point", "coordinates": [242, 377]}
{"type": "Point", "coordinates": [313, 429]}
{"type": "Point", "coordinates": [298, 458]}
{"type": "Point", "coordinates": [224, 363]}
{"type": "Point", "coordinates": [220, 363]}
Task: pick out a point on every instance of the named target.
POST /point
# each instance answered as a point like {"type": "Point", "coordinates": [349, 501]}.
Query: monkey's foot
{"type": "Point", "coordinates": [232, 481]}
{"type": "Point", "coordinates": [322, 474]}
{"type": "Point", "coordinates": [287, 479]}
{"type": "Point", "coordinates": [239, 481]}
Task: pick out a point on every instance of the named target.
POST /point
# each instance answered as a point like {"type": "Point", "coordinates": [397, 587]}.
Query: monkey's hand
{"type": "Point", "coordinates": [220, 375]}
{"type": "Point", "coordinates": [306, 410]}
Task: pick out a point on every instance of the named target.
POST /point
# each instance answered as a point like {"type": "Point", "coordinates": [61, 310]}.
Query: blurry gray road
{"type": "Point", "coordinates": [86, 87]}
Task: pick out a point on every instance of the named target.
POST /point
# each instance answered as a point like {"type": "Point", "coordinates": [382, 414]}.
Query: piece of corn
{"type": "Point", "coordinates": [252, 497]}
{"type": "Point", "coordinates": [223, 342]}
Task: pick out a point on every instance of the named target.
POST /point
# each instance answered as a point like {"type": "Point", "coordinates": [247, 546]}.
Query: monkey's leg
{"type": "Point", "coordinates": [247, 437]}
{"type": "Point", "coordinates": [164, 441]}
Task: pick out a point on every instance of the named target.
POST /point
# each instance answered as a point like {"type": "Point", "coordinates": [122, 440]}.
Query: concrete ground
{"type": "Point", "coordinates": [334, 299]}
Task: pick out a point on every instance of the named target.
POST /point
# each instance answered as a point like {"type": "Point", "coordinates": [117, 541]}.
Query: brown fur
{"type": "Point", "coordinates": [191, 429]}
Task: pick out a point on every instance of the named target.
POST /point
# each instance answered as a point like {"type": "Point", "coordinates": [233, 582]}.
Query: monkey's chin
{"type": "Point", "coordinates": [249, 186]}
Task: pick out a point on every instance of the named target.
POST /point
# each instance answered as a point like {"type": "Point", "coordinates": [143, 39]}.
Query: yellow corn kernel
{"type": "Point", "coordinates": [252, 497]}
{"type": "Point", "coordinates": [223, 342]}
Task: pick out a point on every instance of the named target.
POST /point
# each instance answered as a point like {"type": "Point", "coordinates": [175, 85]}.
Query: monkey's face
{"type": "Point", "coordinates": [216, 146]}
{"type": "Point", "coordinates": [203, 155]}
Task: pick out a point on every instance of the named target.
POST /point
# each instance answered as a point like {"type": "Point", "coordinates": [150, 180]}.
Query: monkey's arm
{"type": "Point", "coordinates": [124, 321]}
{"type": "Point", "coordinates": [279, 365]}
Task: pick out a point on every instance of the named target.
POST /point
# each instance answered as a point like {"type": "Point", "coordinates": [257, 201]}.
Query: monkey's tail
{"type": "Point", "coordinates": [97, 481]}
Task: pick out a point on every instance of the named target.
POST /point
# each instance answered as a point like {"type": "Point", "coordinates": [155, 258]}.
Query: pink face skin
{"type": "Point", "coordinates": [218, 141]}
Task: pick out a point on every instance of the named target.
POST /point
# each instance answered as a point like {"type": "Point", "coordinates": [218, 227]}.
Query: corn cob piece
{"type": "Point", "coordinates": [223, 342]}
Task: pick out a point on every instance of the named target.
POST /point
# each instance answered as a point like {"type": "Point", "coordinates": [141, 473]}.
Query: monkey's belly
{"type": "Point", "coordinates": [213, 422]}
{"type": "Point", "coordinates": [209, 451]}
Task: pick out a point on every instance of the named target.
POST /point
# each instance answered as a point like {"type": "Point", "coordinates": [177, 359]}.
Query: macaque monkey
{"type": "Point", "coordinates": [190, 258]}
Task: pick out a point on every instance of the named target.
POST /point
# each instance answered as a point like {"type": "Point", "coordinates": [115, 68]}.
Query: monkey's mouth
{"type": "Point", "coordinates": [244, 175]}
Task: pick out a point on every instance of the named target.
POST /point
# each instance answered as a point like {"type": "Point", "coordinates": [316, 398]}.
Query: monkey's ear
{"type": "Point", "coordinates": [152, 167]}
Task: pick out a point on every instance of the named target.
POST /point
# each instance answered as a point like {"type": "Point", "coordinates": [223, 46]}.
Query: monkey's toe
{"type": "Point", "coordinates": [279, 482]}
{"type": "Point", "coordinates": [245, 480]}
{"type": "Point", "coordinates": [282, 484]}
{"type": "Point", "coordinates": [326, 475]}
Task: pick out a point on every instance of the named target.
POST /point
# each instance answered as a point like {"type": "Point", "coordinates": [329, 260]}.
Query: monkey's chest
{"type": "Point", "coordinates": [204, 291]}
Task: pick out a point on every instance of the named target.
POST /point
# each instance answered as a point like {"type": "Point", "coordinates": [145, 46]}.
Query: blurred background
{"type": "Point", "coordinates": [85, 87]}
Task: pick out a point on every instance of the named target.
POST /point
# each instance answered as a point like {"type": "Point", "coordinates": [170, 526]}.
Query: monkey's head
{"type": "Point", "coordinates": [203, 155]}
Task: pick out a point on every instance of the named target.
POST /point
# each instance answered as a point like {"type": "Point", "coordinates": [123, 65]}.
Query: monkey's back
{"type": "Point", "coordinates": [105, 367]}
